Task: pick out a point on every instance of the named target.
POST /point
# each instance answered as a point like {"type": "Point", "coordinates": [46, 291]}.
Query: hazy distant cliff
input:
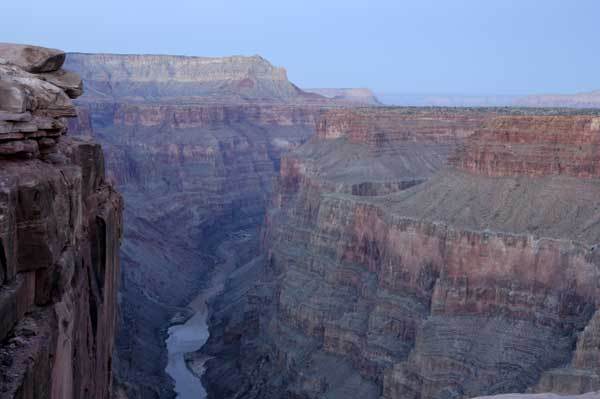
{"type": "Point", "coordinates": [580, 100]}
{"type": "Point", "coordinates": [60, 230]}
{"type": "Point", "coordinates": [178, 78]}
{"type": "Point", "coordinates": [351, 96]}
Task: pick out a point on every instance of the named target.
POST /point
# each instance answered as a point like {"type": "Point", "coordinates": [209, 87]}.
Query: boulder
{"type": "Point", "coordinates": [70, 82]}
{"type": "Point", "coordinates": [33, 59]}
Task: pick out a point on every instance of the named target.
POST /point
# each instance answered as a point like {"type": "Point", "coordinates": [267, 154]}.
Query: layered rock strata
{"type": "Point", "coordinates": [356, 153]}
{"type": "Point", "coordinates": [482, 279]}
{"type": "Point", "coordinates": [60, 230]}
{"type": "Point", "coordinates": [186, 79]}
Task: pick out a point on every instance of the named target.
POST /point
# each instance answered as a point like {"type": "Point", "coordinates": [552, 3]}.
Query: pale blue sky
{"type": "Point", "coordinates": [418, 46]}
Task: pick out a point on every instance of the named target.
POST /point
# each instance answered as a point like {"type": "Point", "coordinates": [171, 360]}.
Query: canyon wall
{"type": "Point", "coordinates": [194, 150]}
{"type": "Point", "coordinates": [60, 230]}
{"type": "Point", "coordinates": [387, 274]}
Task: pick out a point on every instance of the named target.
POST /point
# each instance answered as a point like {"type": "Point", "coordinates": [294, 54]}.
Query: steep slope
{"type": "Point", "coordinates": [60, 229]}
{"type": "Point", "coordinates": [480, 280]}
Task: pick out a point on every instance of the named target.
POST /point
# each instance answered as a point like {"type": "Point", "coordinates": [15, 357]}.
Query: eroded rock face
{"type": "Point", "coordinates": [60, 230]}
{"type": "Point", "coordinates": [482, 279]}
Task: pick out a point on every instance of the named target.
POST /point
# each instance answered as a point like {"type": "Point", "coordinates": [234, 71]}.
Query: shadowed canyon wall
{"type": "Point", "coordinates": [60, 230]}
{"type": "Point", "coordinates": [385, 273]}
{"type": "Point", "coordinates": [194, 145]}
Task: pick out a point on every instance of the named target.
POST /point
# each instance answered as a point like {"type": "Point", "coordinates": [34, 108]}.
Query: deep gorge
{"type": "Point", "coordinates": [346, 249]}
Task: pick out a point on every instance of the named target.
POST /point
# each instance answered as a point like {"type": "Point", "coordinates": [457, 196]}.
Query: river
{"type": "Point", "coordinates": [193, 334]}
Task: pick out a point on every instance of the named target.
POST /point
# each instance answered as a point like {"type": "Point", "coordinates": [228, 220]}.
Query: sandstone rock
{"type": "Point", "coordinates": [70, 82]}
{"type": "Point", "coordinates": [32, 59]}
{"type": "Point", "coordinates": [12, 98]}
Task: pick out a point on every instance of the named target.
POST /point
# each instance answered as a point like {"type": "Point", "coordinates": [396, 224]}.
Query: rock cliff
{"type": "Point", "coordinates": [60, 230]}
{"type": "Point", "coordinates": [415, 279]}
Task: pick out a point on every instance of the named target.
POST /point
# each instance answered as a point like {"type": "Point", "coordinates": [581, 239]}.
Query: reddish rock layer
{"type": "Point", "coordinates": [534, 146]}
{"type": "Point", "coordinates": [374, 126]}
{"type": "Point", "coordinates": [60, 229]}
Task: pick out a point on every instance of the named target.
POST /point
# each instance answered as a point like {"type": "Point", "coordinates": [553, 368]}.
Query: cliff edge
{"type": "Point", "coordinates": [60, 231]}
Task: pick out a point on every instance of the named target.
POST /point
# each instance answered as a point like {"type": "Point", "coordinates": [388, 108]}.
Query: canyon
{"type": "Point", "coordinates": [193, 144]}
{"type": "Point", "coordinates": [60, 230]}
{"type": "Point", "coordinates": [286, 243]}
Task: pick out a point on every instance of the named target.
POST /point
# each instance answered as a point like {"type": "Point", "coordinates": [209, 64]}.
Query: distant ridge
{"type": "Point", "coordinates": [183, 78]}
{"type": "Point", "coordinates": [580, 100]}
{"type": "Point", "coordinates": [362, 96]}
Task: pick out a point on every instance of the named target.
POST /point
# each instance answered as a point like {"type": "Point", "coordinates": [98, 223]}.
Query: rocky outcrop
{"type": "Point", "coordinates": [482, 279]}
{"type": "Point", "coordinates": [60, 229]}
